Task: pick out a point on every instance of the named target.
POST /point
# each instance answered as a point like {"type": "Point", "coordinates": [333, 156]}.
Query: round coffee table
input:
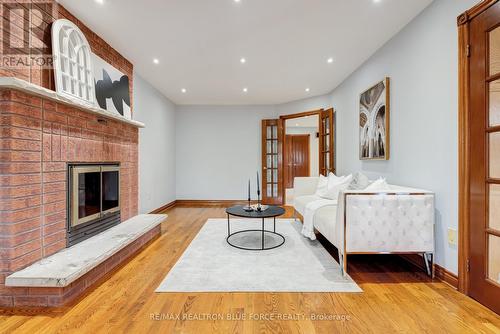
{"type": "Point", "coordinates": [271, 212]}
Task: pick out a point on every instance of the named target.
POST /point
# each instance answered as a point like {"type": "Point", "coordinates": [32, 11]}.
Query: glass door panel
{"type": "Point", "coordinates": [326, 134]}
{"type": "Point", "coordinates": [493, 189]}
{"type": "Point", "coordinates": [110, 189]}
{"type": "Point", "coordinates": [494, 258]}
{"type": "Point", "coordinates": [89, 194]}
{"type": "Point", "coordinates": [271, 142]}
{"type": "Point", "coordinates": [494, 207]}
{"type": "Point", "coordinates": [494, 98]}
{"type": "Point", "coordinates": [494, 149]}
{"type": "Point", "coordinates": [494, 51]}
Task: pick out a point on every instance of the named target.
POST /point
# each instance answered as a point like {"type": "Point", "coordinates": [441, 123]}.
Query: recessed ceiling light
{"type": "Point", "coordinates": [184, 90]}
{"type": "Point", "coordinates": [329, 60]}
{"type": "Point", "coordinates": [237, 0]}
{"type": "Point", "coordinates": [377, 1]}
{"type": "Point", "coordinates": [100, 1]}
{"type": "Point", "coordinates": [156, 61]}
{"type": "Point", "coordinates": [245, 90]}
{"type": "Point", "coordinates": [243, 60]}
{"type": "Point", "coordinates": [307, 90]}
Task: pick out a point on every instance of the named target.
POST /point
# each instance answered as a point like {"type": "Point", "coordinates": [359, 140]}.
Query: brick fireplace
{"type": "Point", "coordinates": [40, 137]}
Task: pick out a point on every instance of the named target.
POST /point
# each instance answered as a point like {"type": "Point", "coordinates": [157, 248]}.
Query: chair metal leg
{"type": "Point", "coordinates": [340, 263]}
{"type": "Point", "coordinates": [343, 263]}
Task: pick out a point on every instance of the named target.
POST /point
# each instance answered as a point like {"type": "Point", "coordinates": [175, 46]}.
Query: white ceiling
{"type": "Point", "coordinates": [286, 43]}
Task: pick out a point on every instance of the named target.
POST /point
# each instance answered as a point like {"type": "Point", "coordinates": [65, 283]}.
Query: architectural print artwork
{"type": "Point", "coordinates": [111, 88]}
{"type": "Point", "coordinates": [374, 114]}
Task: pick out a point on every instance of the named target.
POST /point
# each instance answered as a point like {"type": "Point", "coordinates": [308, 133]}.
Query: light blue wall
{"type": "Point", "coordinates": [156, 146]}
{"type": "Point", "coordinates": [218, 149]}
{"type": "Point", "coordinates": [422, 63]}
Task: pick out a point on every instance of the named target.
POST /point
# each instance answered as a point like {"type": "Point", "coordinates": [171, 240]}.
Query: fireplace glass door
{"type": "Point", "coordinates": [95, 193]}
{"type": "Point", "coordinates": [86, 194]}
{"type": "Point", "coordinates": [110, 189]}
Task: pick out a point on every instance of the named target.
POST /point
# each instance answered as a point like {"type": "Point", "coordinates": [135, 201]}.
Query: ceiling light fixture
{"type": "Point", "coordinates": [156, 61]}
{"type": "Point", "coordinates": [184, 90]}
{"type": "Point", "coordinates": [100, 2]}
{"type": "Point", "coordinates": [237, 1]}
{"type": "Point", "coordinates": [243, 60]}
{"type": "Point", "coordinates": [377, 1]}
{"type": "Point", "coordinates": [307, 90]}
{"type": "Point", "coordinates": [245, 90]}
{"type": "Point", "coordinates": [329, 60]}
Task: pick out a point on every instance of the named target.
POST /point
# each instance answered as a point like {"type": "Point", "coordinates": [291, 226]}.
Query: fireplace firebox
{"type": "Point", "coordinates": [93, 200]}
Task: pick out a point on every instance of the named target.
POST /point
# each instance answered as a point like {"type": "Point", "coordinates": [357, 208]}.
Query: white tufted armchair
{"type": "Point", "coordinates": [397, 221]}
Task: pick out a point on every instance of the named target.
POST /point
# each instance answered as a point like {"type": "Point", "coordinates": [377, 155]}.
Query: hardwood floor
{"type": "Point", "coordinates": [396, 298]}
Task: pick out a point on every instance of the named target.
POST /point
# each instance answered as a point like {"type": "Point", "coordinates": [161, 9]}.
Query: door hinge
{"type": "Point", "coordinates": [467, 50]}
{"type": "Point", "coordinates": [468, 265]}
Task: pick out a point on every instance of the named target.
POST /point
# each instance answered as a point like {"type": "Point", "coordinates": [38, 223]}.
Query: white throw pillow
{"type": "Point", "coordinates": [337, 185]}
{"type": "Point", "coordinates": [378, 185]}
{"type": "Point", "coordinates": [322, 188]}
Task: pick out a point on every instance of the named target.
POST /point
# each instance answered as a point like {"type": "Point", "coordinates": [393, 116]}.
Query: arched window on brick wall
{"type": "Point", "coordinates": [72, 62]}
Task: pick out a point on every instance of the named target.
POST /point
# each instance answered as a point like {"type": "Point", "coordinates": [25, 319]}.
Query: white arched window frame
{"type": "Point", "coordinates": [72, 62]}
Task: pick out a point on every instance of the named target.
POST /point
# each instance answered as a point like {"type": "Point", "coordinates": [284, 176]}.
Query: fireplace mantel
{"type": "Point", "coordinates": [29, 88]}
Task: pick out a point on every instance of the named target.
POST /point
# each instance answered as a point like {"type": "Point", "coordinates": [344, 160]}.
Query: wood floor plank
{"type": "Point", "coordinates": [397, 298]}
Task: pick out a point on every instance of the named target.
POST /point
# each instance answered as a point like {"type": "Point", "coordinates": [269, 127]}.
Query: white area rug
{"type": "Point", "coordinates": [209, 264]}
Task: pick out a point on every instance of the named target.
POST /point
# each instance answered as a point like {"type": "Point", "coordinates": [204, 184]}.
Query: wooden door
{"type": "Point", "coordinates": [484, 118]}
{"type": "Point", "coordinates": [327, 142]}
{"type": "Point", "coordinates": [272, 169]}
{"type": "Point", "coordinates": [296, 158]}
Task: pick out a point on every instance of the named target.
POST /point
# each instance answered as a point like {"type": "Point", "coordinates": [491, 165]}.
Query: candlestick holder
{"type": "Point", "coordinates": [259, 208]}
{"type": "Point", "coordinates": [248, 208]}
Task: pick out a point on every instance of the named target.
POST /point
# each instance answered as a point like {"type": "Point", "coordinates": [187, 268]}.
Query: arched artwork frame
{"type": "Point", "coordinates": [74, 75]}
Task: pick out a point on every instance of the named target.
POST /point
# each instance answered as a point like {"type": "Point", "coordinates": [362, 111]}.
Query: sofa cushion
{"type": "Point", "coordinates": [301, 202]}
{"type": "Point", "coordinates": [325, 220]}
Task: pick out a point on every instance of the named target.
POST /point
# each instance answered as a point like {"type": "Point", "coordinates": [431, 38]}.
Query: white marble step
{"type": "Point", "coordinates": [66, 266]}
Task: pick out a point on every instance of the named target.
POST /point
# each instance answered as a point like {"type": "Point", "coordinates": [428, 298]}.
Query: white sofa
{"type": "Point", "coordinates": [399, 220]}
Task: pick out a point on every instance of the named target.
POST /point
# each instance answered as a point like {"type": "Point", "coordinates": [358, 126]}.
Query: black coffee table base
{"type": "Point", "coordinates": [263, 231]}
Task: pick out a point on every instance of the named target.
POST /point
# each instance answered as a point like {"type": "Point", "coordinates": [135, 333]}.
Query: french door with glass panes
{"type": "Point", "coordinates": [327, 142]}
{"type": "Point", "coordinates": [272, 175]}
{"type": "Point", "coordinates": [484, 127]}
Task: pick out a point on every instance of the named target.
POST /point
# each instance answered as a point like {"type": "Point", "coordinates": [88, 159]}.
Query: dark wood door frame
{"type": "Point", "coordinates": [464, 140]}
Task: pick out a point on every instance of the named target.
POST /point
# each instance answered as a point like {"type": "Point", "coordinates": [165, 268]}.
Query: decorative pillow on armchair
{"type": "Point", "coordinates": [359, 182]}
{"type": "Point", "coordinates": [378, 185]}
